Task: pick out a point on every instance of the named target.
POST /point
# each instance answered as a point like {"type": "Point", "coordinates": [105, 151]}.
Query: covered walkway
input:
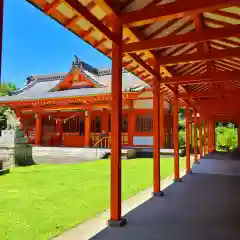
{"type": "Point", "coordinates": [204, 206]}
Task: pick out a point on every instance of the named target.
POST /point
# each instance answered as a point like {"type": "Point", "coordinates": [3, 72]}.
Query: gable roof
{"type": "Point", "coordinates": [46, 85]}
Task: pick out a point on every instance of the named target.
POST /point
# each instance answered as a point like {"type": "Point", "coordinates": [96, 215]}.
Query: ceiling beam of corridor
{"type": "Point", "coordinates": [200, 56]}
{"type": "Point", "coordinates": [173, 10]}
{"type": "Point", "coordinates": [187, 38]}
{"type": "Point", "coordinates": [207, 78]}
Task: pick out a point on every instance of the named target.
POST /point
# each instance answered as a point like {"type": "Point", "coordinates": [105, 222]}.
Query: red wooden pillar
{"type": "Point", "coordinates": [1, 36]}
{"type": "Point", "coordinates": [214, 138]}
{"type": "Point", "coordinates": [87, 129]}
{"type": "Point", "coordinates": [116, 166]}
{"type": "Point", "coordinates": [131, 127]}
{"type": "Point", "coordinates": [59, 130]}
{"type": "Point", "coordinates": [156, 137]}
{"type": "Point", "coordinates": [205, 137]}
{"type": "Point", "coordinates": [188, 170]}
{"type": "Point", "coordinates": [38, 129]}
{"type": "Point", "coordinates": [190, 130]}
{"type": "Point", "coordinates": [210, 136]}
{"type": "Point", "coordinates": [104, 121]}
{"type": "Point", "coordinates": [201, 139]}
{"type": "Point", "coordinates": [195, 144]}
{"type": "Point", "coordinates": [162, 127]}
{"type": "Point", "coordinates": [175, 138]}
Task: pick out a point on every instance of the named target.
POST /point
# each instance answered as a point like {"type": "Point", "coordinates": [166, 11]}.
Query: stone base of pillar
{"type": "Point", "coordinates": [117, 223]}
{"type": "Point", "coordinates": [158, 194]}
{"type": "Point", "coordinates": [189, 172]}
{"type": "Point", "coordinates": [177, 180]}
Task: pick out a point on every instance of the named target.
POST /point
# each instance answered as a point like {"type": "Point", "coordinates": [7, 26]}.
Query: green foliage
{"type": "Point", "coordinates": [41, 201]}
{"type": "Point", "coordinates": [5, 88]}
{"type": "Point", "coordinates": [226, 138]}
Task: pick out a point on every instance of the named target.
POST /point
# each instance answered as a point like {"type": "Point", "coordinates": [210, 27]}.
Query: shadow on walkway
{"type": "Point", "coordinates": [204, 206]}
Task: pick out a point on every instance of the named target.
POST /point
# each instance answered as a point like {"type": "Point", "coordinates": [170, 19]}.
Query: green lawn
{"type": "Point", "coordinates": [40, 201]}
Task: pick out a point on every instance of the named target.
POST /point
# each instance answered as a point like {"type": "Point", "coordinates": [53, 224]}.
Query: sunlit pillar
{"type": "Point", "coordinates": [59, 129]}
{"type": "Point", "coordinates": [210, 136]}
{"type": "Point", "coordinates": [162, 127]}
{"type": "Point", "coordinates": [87, 129]}
{"type": "Point", "coordinates": [38, 132]}
{"type": "Point", "coordinates": [188, 170]}
{"type": "Point", "coordinates": [157, 132]}
{"type": "Point", "coordinates": [205, 137]}
{"type": "Point", "coordinates": [195, 137]}
{"type": "Point", "coordinates": [175, 137]}
{"type": "Point", "coordinates": [105, 121]}
{"type": "Point", "coordinates": [200, 139]}
{"type": "Point", "coordinates": [116, 125]}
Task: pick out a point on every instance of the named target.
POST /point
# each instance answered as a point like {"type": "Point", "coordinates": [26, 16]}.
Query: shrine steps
{"type": "Point", "coordinates": [64, 155]}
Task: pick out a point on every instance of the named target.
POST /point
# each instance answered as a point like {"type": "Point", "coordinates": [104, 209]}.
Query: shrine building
{"type": "Point", "coordinates": [74, 109]}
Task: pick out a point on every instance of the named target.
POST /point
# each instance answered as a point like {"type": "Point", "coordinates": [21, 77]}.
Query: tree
{"type": "Point", "coordinates": [5, 88]}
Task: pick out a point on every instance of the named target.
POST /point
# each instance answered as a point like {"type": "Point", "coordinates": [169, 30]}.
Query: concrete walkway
{"type": "Point", "coordinates": [204, 206]}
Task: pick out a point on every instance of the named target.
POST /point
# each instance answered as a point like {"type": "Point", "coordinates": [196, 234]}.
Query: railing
{"type": "Point", "coordinates": [104, 143]}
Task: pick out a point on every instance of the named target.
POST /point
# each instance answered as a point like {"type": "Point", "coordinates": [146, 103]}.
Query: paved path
{"type": "Point", "coordinates": [93, 226]}
{"type": "Point", "coordinates": [204, 206]}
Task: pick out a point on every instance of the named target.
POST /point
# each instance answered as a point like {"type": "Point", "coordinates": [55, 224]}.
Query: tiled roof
{"type": "Point", "coordinates": [42, 86]}
{"type": "Point", "coordinates": [60, 94]}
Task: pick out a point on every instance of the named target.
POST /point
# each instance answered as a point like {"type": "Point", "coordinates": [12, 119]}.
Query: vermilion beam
{"type": "Point", "coordinates": [197, 78]}
{"type": "Point", "coordinates": [171, 11]}
{"type": "Point", "coordinates": [211, 94]}
{"type": "Point", "coordinates": [188, 38]}
{"type": "Point", "coordinates": [96, 23]}
{"type": "Point", "coordinates": [209, 56]}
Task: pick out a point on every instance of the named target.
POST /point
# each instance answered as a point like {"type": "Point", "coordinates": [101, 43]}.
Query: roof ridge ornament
{"type": "Point", "coordinates": [77, 63]}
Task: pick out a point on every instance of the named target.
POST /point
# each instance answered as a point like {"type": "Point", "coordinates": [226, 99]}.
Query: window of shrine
{"type": "Point", "coordinates": [144, 123]}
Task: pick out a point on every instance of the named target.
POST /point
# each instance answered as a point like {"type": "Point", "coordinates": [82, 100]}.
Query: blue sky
{"type": "Point", "coordinates": [35, 44]}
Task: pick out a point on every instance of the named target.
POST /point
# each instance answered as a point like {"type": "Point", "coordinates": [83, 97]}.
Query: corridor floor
{"type": "Point", "coordinates": [205, 205]}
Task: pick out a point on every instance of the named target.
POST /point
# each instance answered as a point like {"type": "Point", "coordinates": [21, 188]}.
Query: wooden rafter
{"type": "Point", "coordinates": [202, 78]}
{"type": "Point", "coordinates": [188, 38]}
{"type": "Point", "coordinates": [173, 10]}
{"type": "Point", "coordinates": [201, 56]}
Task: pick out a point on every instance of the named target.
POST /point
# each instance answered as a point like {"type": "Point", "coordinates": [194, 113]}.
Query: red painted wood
{"type": "Point", "coordinates": [116, 166]}
{"type": "Point", "coordinates": [205, 138]}
{"type": "Point", "coordinates": [213, 55]}
{"type": "Point", "coordinates": [200, 138]}
{"type": "Point", "coordinates": [187, 139]}
{"type": "Point", "coordinates": [167, 12]}
{"type": "Point", "coordinates": [87, 130]}
{"type": "Point", "coordinates": [162, 127]}
{"type": "Point", "coordinates": [38, 129]}
{"type": "Point", "coordinates": [195, 137]}
{"type": "Point", "coordinates": [156, 136]}
{"type": "Point", "coordinates": [187, 38]}
{"type": "Point", "coordinates": [176, 136]}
